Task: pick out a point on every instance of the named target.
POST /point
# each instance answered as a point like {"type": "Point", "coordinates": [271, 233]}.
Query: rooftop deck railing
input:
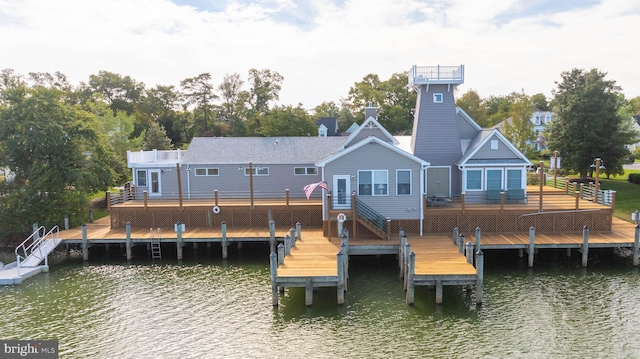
{"type": "Point", "coordinates": [436, 74]}
{"type": "Point", "coordinates": [155, 157]}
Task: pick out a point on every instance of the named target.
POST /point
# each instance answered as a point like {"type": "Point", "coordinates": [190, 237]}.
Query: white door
{"type": "Point", "coordinates": [155, 188]}
{"type": "Point", "coordinates": [341, 192]}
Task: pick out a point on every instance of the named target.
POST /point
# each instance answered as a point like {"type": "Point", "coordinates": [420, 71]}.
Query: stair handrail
{"type": "Point", "coordinates": [23, 251]}
{"type": "Point", "coordinates": [371, 215]}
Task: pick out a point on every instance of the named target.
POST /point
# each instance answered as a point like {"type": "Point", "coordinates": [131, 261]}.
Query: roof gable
{"type": "Point", "coordinates": [370, 124]}
{"type": "Point", "coordinates": [482, 139]}
{"type": "Point", "coordinates": [331, 123]}
{"type": "Point", "coordinates": [369, 140]}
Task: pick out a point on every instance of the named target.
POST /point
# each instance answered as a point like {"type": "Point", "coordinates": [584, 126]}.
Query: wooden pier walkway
{"type": "Point", "coordinates": [435, 260]}
{"type": "Point", "coordinates": [311, 261]}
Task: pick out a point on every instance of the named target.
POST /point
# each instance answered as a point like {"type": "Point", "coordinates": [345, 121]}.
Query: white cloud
{"type": "Point", "coordinates": [158, 42]}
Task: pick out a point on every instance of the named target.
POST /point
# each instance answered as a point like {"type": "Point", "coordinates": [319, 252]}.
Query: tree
{"type": "Point", "coordinates": [588, 124]}
{"type": "Point", "coordinates": [58, 155]}
{"type": "Point", "coordinates": [540, 102]}
{"type": "Point", "coordinates": [162, 104]}
{"type": "Point", "coordinates": [498, 109]}
{"type": "Point", "coordinates": [520, 129]}
{"type": "Point", "coordinates": [285, 121]}
{"type": "Point", "coordinates": [265, 87]}
{"type": "Point", "coordinates": [326, 109]}
{"type": "Point", "coordinates": [198, 92]}
{"type": "Point", "coordinates": [473, 105]}
{"type": "Point", "coordinates": [231, 106]}
{"type": "Point", "coordinates": [121, 93]}
{"type": "Point", "coordinates": [156, 138]}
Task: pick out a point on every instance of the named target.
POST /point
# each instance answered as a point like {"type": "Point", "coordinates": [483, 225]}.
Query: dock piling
{"type": "Point", "coordinates": [636, 242]}
{"type": "Point", "coordinates": [298, 232]}
{"type": "Point", "coordinates": [179, 240]}
{"type": "Point", "coordinates": [407, 258]}
{"type": "Point", "coordinates": [469, 253]}
{"type": "Point", "coordinates": [532, 236]}
{"type": "Point", "coordinates": [85, 249]}
{"type": "Point", "coordinates": [585, 245]}
{"type": "Point", "coordinates": [280, 254]}
{"type": "Point", "coordinates": [478, 233]}
{"type": "Point", "coordinates": [410, 274]}
{"type": "Point", "coordinates": [273, 265]}
{"type": "Point", "coordinates": [223, 227]}
{"type": "Point", "coordinates": [341, 279]}
{"type": "Point", "coordinates": [308, 293]}
{"type": "Point", "coordinates": [439, 292]}
{"type": "Point", "coordinates": [461, 243]}
{"type": "Point", "coordinates": [272, 236]}
{"type": "Point", "coordinates": [479, 276]}
{"type": "Point", "coordinates": [287, 244]}
{"type": "Point", "coordinates": [456, 234]}
{"type": "Point", "coordinates": [292, 236]}
{"type": "Point", "coordinates": [128, 240]}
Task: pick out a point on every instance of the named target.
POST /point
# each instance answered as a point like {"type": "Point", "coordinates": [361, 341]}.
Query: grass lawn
{"type": "Point", "coordinates": [627, 196]}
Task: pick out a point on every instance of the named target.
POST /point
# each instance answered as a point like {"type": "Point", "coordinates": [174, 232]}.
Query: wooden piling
{"type": "Point", "coordinates": [461, 243]}
{"type": "Point", "coordinates": [479, 276]}
{"type": "Point", "coordinates": [85, 249]}
{"type": "Point", "coordinates": [280, 254]}
{"type": "Point", "coordinates": [456, 233]}
{"type": "Point", "coordinates": [287, 244]}
{"type": "Point", "coordinates": [532, 236]}
{"type": "Point", "coordinates": [308, 293]}
{"type": "Point", "coordinates": [410, 284]}
{"type": "Point", "coordinates": [407, 264]}
{"type": "Point", "coordinates": [298, 231]}
{"type": "Point", "coordinates": [273, 265]}
{"type": "Point", "coordinates": [636, 242]}
{"type": "Point", "coordinates": [128, 240]}
{"type": "Point", "coordinates": [145, 199]}
{"type": "Point", "coordinates": [179, 185]}
{"type": "Point", "coordinates": [388, 228]}
{"type": "Point", "coordinates": [292, 236]}
{"type": "Point", "coordinates": [341, 280]}
{"type": "Point", "coordinates": [223, 227]}
{"type": "Point", "coordinates": [469, 252]}
{"type": "Point", "coordinates": [179, 240]}
{"type": "Point", "coordinates": [286, 196]}
{"type": "Point", "coordinates": [478, 234]}
{"type": "Point", "coordinates": [585, 245]}
{"type": "Point", "coordinates": [438, 292]}
{"type": "Point", "coordinates": [272, 236]}
{"type": "Point", "coordinates": [215, 197]}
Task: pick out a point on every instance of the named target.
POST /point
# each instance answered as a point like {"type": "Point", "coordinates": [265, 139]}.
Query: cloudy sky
{"type": "Point", "coordinates": [322, 47]}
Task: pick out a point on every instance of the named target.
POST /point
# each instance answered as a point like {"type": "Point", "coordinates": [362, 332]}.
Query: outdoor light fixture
{"type": "Point", "coordinates": [595, 164]}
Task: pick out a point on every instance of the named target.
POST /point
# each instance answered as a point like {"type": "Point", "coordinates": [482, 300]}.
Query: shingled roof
{"type": "Point", "coordinates": [311, 149]}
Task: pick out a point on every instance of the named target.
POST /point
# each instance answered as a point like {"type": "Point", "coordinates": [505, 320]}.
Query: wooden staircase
{"type": "Point", "coordinates": [371, 220]}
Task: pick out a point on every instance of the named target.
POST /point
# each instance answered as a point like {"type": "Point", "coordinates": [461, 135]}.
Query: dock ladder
{"type": "Point", "coordinates": [156, 252]}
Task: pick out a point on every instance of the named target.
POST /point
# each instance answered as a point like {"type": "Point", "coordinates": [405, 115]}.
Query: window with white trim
{"type": "Point", "coordinates": [141, 178]}
{"type": "Point", "coordinates": [403, 182]}
{"type": "Point", "coordinates": [437, 98]}
{"type": "Point", "coordinates": [257, 171]}
{"type": "Point", "coordinates": [207, 172]}
{"type": "Point", "coordinates": [373, 183]}
{"type": "Point", "coordinates": [303, 171]}
{"type": "Point", "coordinates": [494, 144]}
{"type": "Point", "coordinates": [474, 180]}
{"type": "Point", "coordinates": [494, 179]}
{"type": "Point", "coordinates": [514, 179]}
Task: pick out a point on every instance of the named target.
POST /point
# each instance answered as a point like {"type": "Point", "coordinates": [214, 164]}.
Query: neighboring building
{"type": "Point", "coordinates": [541, 121]}
{"type": "Point", "coordinates": [636, 126]}
{"type": "Point", "coordinates": [327, 126]}
{"type": "Point", "coordinates": [447, 155]}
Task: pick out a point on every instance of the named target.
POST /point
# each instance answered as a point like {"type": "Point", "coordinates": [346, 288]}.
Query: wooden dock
{"type": "Point", "coordinates": [436, 260]}
{"type": "Point", "coordinates": [310, 261]}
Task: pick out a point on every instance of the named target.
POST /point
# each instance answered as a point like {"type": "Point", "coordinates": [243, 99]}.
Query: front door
{"type": "Point", "coordinates": [341, 192]}
{"type": "Point", "coordinates": [438, 181]}
{"type": "Point", "coordinates": [155, 188]}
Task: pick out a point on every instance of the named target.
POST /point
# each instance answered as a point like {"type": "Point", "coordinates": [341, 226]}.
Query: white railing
{"type": "Point", "coordinates": [436, 74]}
{"type": "Point", "coordinates": [33, 245]}
{"type": "Point", "coordinates": [155, 157]}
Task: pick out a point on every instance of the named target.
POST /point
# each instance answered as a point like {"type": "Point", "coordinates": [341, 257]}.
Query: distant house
{"type": "Point", "coordinates": [541, 121]}
{"type": "Point", "coordinates": [636, 126]}
{"type": "Point", "coordinates": [327, 126]}
{"type": "Point", "coordinates": [446, 156]}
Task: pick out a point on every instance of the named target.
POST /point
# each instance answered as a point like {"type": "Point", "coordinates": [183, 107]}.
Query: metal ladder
{"type": "Point", "coordinates": [156, 252]}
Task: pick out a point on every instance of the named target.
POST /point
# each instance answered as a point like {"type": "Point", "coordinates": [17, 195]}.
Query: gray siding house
{"type": "Point", "coordinates": [447, 155]}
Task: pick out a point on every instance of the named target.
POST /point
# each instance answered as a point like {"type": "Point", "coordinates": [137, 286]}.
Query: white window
{"type": "Point", "coordinates": [207, 172]}
{"type": "Point", "coordinates": [302, 171]}
{"type": "Point", "coordinates": [257, 171]}
{"type": "Point", "coordinates": [474, 180]}
{"type": "Point", "coordinates": [373, 183]}
{"type": "Point", "coordinates": [403, 182]}
{"type": "Point", "coordinates": [437, 98]}
{"type": "Point", "coordinates": [537, 119]}
{"type": "Point", "coordinates": [494, 179]}
{"type": "Point", "coordinates": [141, 178]}
{"type": "Point", "coordinates": [494, 144]}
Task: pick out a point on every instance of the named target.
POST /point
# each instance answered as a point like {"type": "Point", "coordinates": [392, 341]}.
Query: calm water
{"type": "Point", "coordinates": [206, 307]}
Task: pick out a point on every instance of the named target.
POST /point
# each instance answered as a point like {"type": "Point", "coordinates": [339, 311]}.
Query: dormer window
{"type": "Point", "coordinates": [437, 98]}
{"type": "Point", "coordinates": [322, 131]}
{"type": "Point", "coordinates": [537, 119]}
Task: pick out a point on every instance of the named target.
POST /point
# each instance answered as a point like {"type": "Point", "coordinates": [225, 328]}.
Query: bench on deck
{"type": "Point", "coordinates": [516, 194]}
{"type": "Point", "coordinates": [494, 195]}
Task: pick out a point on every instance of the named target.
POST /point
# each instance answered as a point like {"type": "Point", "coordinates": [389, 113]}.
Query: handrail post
{"type": "Point", "coordinates": [286, 196]}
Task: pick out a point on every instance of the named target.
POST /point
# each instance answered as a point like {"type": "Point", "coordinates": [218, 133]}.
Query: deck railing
{"type": "Point", "coordinates": [587, 192]}
{"type": "Point", "coordinates": [156, 156]}
{"type": "Point", "coordinates": [436, 74]}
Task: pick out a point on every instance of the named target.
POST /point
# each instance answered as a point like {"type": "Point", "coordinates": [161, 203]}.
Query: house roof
{"type": "Point", "coordinates": [221, 150]}
{"type": "Point", "coordinates": [370, 123]}
{"type": "Point", "coordinates": [331, 123]}
{"type": "Point", "coordinates": [481, 138]}
{"type": "Point", "coordinates": [637, 119]}
{"type": "Point", "coordinates": [371, 139]}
